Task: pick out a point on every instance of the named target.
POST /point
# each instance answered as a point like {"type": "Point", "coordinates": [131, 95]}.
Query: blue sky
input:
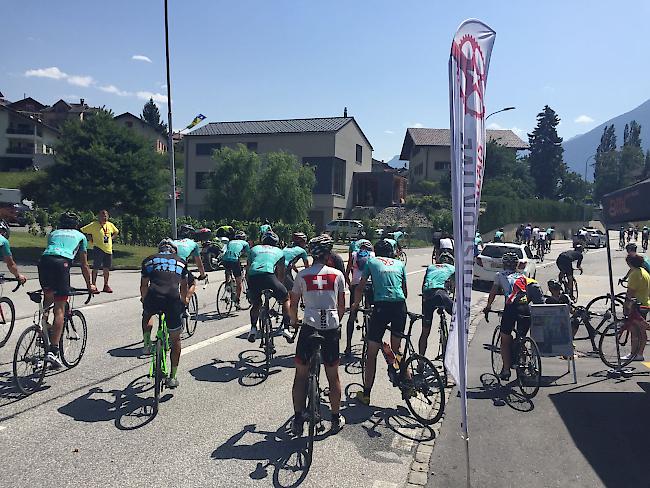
{"type": "Point", "coordinates": [385, 60]}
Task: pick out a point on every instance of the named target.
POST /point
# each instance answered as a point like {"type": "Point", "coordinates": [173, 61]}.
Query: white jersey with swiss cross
{"type": "Point", "coordinates": [320, 286]}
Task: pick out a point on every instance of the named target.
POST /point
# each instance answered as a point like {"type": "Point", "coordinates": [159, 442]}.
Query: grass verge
{"type": "Point", "coordinates": [13, 179]}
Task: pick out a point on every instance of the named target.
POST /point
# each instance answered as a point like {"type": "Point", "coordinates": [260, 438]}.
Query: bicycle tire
{"type": "Point", "coordinates": [224, 303]}
{"type": "Point", "coordinates": [599, 305]}
{"type": "Point", "coordinates": [425, 381]}
{"type": "Point", "coordinates": [575, 289]}
{"type": "Point", "coordinates": [192, 316]}
{"type": "Point", "coordinates": [244, 300]}
{"type": "Point", "coordinates": [403, 257]}
{"type": "Point", "coordinates": [268, 340]}
{"type": "Point", "coordinates": [31, 337]}
{"type": "Point", "coordinates": [529, 374]}
{"type": "Point", "coordinates": [313, 405]}
{"type": "Point", "coordinates": [444, 335]}
{"type": "Point", "coordinates": [495, 352]}
{"type": "Point", "coordinates": [158, 375]}
{"type": "Point", "coordinates": [364, 348]}
{"type": "Point", "coordinates": [607, 350]}
{"type": "Point", "coordinates": [6, 326]}
{"type": "Point", "coordinates": [73, 338]}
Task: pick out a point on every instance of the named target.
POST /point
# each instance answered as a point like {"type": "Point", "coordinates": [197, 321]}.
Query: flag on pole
{"type": "Point", "coordinates": [468, 69]}
{"type": "Point", "coordinates": [197, 120]}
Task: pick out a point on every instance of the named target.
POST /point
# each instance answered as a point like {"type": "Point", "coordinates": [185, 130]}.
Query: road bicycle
{"type": "Point", "coordinates": [29, 362]}
{"type": "Point", "coordinates": [525, 357]}
{"type": "Point", "coordinates": [191, 315]}
{"type": "Point", "coordinates": [442, 346]}
{"type": "Point", "coordinates": [401, 255]}
{"type": "Point", "coordinates": [621, 243]}
{"type": "Point", "coordinates": [418, 379]}
{"type": "Point", "coordinates": [541, 249]}
{"type": "Point", "coordinates": [268, 312]}
{"type": "Point", "coordinates": [366, 313]}
{"type": "Point", "coordinates": [313, 414]}
{"type": "Point", "coordinates": [227, 295]}
{"type": "Point", "coordinates": [159, 366]}
{"type": "Point", "coordinates": [644, 244]}
{"type": "Point", "coordinates": [616, 346]}
{"type": "Point", "coordinates": [7, 311]}
{"type": "Point", "coordinates": [563, 278]}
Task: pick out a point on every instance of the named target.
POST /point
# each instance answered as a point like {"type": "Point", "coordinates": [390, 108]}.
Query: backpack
{"type": "Point", "coordinates": [524, 291]}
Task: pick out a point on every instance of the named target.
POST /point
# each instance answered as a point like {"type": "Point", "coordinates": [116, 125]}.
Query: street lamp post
{"type": "Point", "coordinates": [584, 204]}
{"type": "Point", "coordinates": [170, 136]}
{"type": "Point", "coordinates": [499, 111]}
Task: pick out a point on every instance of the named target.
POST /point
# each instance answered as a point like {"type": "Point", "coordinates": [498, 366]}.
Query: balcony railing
{"type": "Point", "coordinates": [20, 150]}
{"type": "Point", "coordinates": [20, 130]}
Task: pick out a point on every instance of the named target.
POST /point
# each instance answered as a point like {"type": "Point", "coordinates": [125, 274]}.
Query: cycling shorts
{"type": "Point", "coordinates": [234, 267]}
{"type": "Point", "coordinates": [383, 315]}
{"type": "Point", "coordinates": [173, 308]}
{"type": "Point", "coordinates": [432, 299]}
{"type": "Point", "coordinates": [330, 349]}
{"type": "Point", "coordinates": [266, 281]}
{"type": "Point", "coordinates": [54, 275]}
{"type": "Point", "coordinates": [515, 315]}
{"type": "Point", "coordinates": [565, 265]}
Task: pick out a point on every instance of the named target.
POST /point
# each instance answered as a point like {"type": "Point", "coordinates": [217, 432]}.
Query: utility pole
{"type": "Point", "coordinates": [170, 135]}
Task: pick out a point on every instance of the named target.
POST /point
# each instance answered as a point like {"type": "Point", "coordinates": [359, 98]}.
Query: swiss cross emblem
{"type": "Point", "coordinates": [320, 282]}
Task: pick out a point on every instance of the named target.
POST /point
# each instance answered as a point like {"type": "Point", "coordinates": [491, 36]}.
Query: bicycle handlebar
{"type": "Point", "coordinates": [72, 292]}
{"type": "Point", "coordinates": [3, 279]}
{"type": "Point", "coordinates": [488, 312]}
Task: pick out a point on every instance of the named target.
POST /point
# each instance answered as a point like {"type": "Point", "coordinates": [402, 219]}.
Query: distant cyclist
{"type": "Point", "coordinates": [519, 234]}
{"type": "Point", "coordinates": [645, 233]}
{"type": "Point", "coordinates": [434, 295]}
{"type": "Point", "coordinates": [225, 231]}
{"type": "Point", "coordinates": [398, 235]}
{"type": "Point", "coordinates": [478, 244]}
{"type": "Point", "coordinates": [535, 235]}
{"type": "Point", "coordinates": [354, 246]}
{"type": "Point", "coordinates": [550, 235]}
{"type": "Point", "coordinates": [265, 227]}
{"type": "Point", "coordinates": [621, 238]}
{"type": "Point", "coordinates": [5, 252]}
{"type": "Point", "coordinates": [292, 254]}
{"type": "Point", "coordinates": [188, 248]}
{"type": "Point", "coordinates": [541, 243]}
{"type": "Point", "coordinates": [528, 231]}
{"type": "Point", "coordinates": [393, 244]}
{"type": "Point", "coordinates": [235, 249]}
{"type": "Point", "coordinates": [446, 245]}
{"type": "Point", "coordinates": [435, 240]}
{"type": "Point", "coordinates": [565, 262]}
{"type": "Point", "coordinates": [498, 235]}
{"type": "Point", "coordinates": [354, 272]}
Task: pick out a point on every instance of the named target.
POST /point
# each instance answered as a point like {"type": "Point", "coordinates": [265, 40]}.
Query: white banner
{"type": "Point", "coordinates": [468, 69]}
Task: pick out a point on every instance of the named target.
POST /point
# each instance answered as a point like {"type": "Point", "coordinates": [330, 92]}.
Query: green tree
{"type": "Point", "coordinates": [100, 164]}
{"type": "Point", "coordinates": [505, 174]}
{"type": "Point", "coordinates": [151, 115]}
{"type": "Point", "coordinates": [607, 144]}
{"type": "Point", "coordinates": [646, 168]}
{"type": "Point", "coordinates": [546, 154]}
{"type": "Point", "coordinates": [573, 187]}
{"type": "Point", "coordinates": [607, 179]}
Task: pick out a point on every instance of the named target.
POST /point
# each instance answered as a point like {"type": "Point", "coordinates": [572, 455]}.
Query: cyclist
{"type": "Point", "coordinates": [515, 312]}
{"type": "Point", "coordinates": [478, 244]}
{"type": "Point", "coordinates": [638, 290]}
{"type": "Point", "coordinates": [187, 248]}
{"type": "Point", "coordinates": [434, 295]}
{"type": "Point", "coordinates": [498, 235]}
{"type": "Point", "coordinates": [630, 233]}
{"type": "Point", "coordinates": [645, 233]}
{"type": "Point", "coordinates": [355, 245]}
{"type": "Point", "coordinates": [565, 261]}
{"type": "Point", "coordinates": [393, 244]}
{"type": "Point", "coordinates": [5, 252]}
{"type": "Point", "coordinates": [231, 261]}
{"type": "Point", "coordinates": [398, 235]}
{"type": "Point", "coordinates": [541, 243]}
{"type": "Point", "coordinates": [528, 230]}
{"type": "Point", "coordinates": [292, 254]}
{"type": "Point", "coordinates": [535, 235]}
{"type": "Point", "coordinates": [225, 231]}
{"type": "Point", "coordinates": [265, 227]}
{"type": "Point", "coordinates": [446, 245]}
{"type": "Point", "coordinates": [435, 240]}
{"type": "Point", "coordinates": [550, 234]}
{"type": "Point", "coordinates": [266, 272]}
{"type": "Point", "coordinates": [621, 238]}
{"type": "Point", "coordinates": [335, 261]}
{"type": "Point", "coordinates": [519, 234]}
{"type": "Point", "coordinates": [165, 288]}
{"type": "Point", "coordinates": [355, 268]}
{"type": "Point", "coordinates": [389, 295]}
{"type": "Point", "coordinates": [323, 291]}
{"type": "Point", "coordinates": [636, 232]}
{"type": "Point", "coordinates": [63, 244]}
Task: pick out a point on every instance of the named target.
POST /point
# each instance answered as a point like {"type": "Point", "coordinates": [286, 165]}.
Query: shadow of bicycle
{"type": "Point", "coordinates": [500, 394]}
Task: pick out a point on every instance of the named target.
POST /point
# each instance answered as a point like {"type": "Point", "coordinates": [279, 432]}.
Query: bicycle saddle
{"type": "Point", "coordinates": [35, 296]}
{"type": "Point", "coordinates": [415, 316]}
{"type": "Point", "coordinates": [317, 338]}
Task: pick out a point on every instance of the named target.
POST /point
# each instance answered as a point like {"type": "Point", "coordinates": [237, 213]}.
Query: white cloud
{"type": "Point", "coordinates": [85, 81]}
{"type": "Point", "coordinates": [53, 72]}
{"type": "Point", "coordinates": [583, 119]}
{"type": "Point", "coordinates": [494, 126]}
{"type": "Point", "coordinates": [157, 97]}
{"type": "Point", "coordinates": [417, 125]}
{"type": "Point", "coordinates": [115, 90]}
{"type": "Point", "coordinates": [141, 57]}
{"type": "Point", "coordinates": [388, 132]}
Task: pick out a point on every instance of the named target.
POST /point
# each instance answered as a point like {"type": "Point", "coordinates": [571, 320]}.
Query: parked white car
{"type": "Point", "coordinates": [488, 262]}
{"type": "Point", "coordinates": [345, 228]}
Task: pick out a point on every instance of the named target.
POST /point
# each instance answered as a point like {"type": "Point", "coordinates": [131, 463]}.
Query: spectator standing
{"type": "Point", "coordinates": [101, 233]}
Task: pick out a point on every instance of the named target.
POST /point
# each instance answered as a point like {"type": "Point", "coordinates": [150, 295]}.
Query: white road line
{"type": "Point", "coordinates": [3, 427]}
{"type": "Point", "coordinates": [384, 484]}
{"type": "Point", "coordinates": [215, 339]}
{"type": "Point", "coordinates": [414, 272]}
{"type": "Point", "coordinates": [90, 307]}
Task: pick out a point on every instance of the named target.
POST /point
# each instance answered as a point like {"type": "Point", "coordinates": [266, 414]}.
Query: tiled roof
{"type": "Point", "coordinates": [441, 137]}
{"type": "Point", "coordinates": [287, 126]}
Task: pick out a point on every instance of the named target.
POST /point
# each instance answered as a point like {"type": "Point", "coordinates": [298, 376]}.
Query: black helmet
{"type": "Point", "coordinates": [320, 246]}
{"type": "Point", "coordinates": [385, 249]}
{"type": "Point", "coordinates": [509, 260]}
{"type": "Point", "coordinates": [167, 245]}
{"type": "Point", "coordinates": [446, 258]}
{"type": "Point", "coordinates": [186, 231]}
{"type": "Point", "coordinates": [4, 228]}
{"type": "Point", "coordinates": [554, 285]}
{"type": "Point", "coordinates": [631, 247]}
{"type": "Point", "coordinates": [270, 239]}
{"type": "Point", "coordinates": [69, 220]}
{"type": "Point", "coordinates": [240, 235]}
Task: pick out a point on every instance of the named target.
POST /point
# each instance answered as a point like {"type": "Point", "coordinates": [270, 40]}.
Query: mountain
{"type": "Point", "coordinates": [579, 148]}
{"type": "Point", "coordinates": [395, 162]}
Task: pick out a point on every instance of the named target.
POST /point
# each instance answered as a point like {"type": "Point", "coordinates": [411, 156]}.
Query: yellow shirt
{"type": "Point", "coordinates": [102, 235]}
{"type": "Point", "coordinates": [639, 283]}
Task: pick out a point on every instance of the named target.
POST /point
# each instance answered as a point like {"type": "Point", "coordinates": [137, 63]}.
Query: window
{"type": "Point", "coordinates": [251, 146]}
{"type": "Point", "coordinates": [338, 177]}
{"type": "Point", "coordinates": [206, 149]}
{"type": "Point", "coordinates": [359, 153]}
{"type": "Point", "coordinates": [203, 180]}
{"type": "Point", "coordinates": [340, 214]}
{"type": "Point", "coordinates": [498, 251]}
{"type": "Point", "coordinates": [442, 165]}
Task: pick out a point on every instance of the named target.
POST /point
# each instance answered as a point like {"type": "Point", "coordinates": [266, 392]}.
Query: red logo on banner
{"type": "Point", "coordinates": [471, 66]}
{"type": "Point", "coordinates": [320, 282]}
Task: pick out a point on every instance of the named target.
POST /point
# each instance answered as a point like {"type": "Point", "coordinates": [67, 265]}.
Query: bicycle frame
{"type": "Point", "coordinates": [162, 334]}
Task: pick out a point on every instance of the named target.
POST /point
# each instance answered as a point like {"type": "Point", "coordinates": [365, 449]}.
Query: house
{"type": "Point", "coordinates": [335, 146]}
{"type": "Point", "coordinates": [63, 111]}
{"type": "Point", "coordinates": [428, 151]}
{"type": "Point", "coordinates": [143, 128]}
{"type": "Point", "coordinates": [25, 141]}
{"type": "Point", "coordinates": [384, 186]}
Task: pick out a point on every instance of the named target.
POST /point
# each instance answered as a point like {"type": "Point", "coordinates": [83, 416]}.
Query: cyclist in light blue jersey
{"type": "Point", "coordinates": [434, 295]}
{"type": "Point", "coordinates": [231, 260]}
{"type": "Point", "coordinates": [292, 254]}
{"type": "Point", "coordinates": [264, 228]}
{"type": "Point", "coordinates": [5, 252]}
{"type": "Point", "coordinates": [188, 248]}
{"type": "Point", "coordinates": [393, 244]}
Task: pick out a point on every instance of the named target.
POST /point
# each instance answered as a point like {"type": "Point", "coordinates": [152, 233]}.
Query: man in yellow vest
{"type": "Point", "coordinates": [101, 233]}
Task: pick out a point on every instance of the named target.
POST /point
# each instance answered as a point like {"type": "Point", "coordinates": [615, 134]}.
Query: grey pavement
{"type": "Point", "coordinates": [587, 434]}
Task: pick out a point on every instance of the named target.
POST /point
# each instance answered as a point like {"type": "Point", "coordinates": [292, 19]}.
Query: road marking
{"type": "Point", "coordinates": [414, 272]}
{"type": "Point", "coordinates": [90, 307]}
{"type": "Point", "coordinates": [646, 364]}
{"type": "Point", "coordinates": [384, 484]}
{"type": "Point", "coordinates": [215, 339]}
{"type": "Point", "coordinates": [3, 427]}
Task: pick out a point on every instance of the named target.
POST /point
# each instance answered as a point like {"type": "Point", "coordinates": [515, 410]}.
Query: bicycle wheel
{"type": "Point", "coordinates": [313, 409]}
{"type": "Point", "coordinates": [529, 367]}
{"type": "Point", "coordinates": [158, 375]}
{"type": "Point", "coordinates": [7, 319]}
{"type": "Point", "coordinates": [495, 351]}
{"type": "Point", "coordinates": [424, 393]}
{"type": "Point", "coordinates": [244, 301]}
{"type": "Point", "coordinates": [268, 340]}
{"type": "Point", "coordinates": [224, 302]}
{"type": "Point", "coordinates": [29, 360]}
{"type": "Point", "coordinates": [608, 351]}
{"type": "Point", "coordinates": [444, 334]}
{"type": "Point", "coordinates": [193, 316]}
{"type": "Point", "coordinates": [403, 257]}
{"type": "Point", "coordinates": [575, 289]}
{"type": "Point", "coordinates": [73, 339]}
{"type": "Point", "coordinates": [602, 304]}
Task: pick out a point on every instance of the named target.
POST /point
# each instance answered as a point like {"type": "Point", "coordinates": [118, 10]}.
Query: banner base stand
{"type": "Point", "coordinates": [617, 373]}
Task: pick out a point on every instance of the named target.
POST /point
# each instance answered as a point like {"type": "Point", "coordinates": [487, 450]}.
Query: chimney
{"type": "Point", "coordinates": [345, 111]}
{"type": "Point", "coordinates": [81, 101]}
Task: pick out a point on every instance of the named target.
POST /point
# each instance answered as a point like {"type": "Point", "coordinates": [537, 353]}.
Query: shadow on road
{"type": "Point", "coordinates": [500, 394]}
{"type": "Point", "coordinates": [129, 351]}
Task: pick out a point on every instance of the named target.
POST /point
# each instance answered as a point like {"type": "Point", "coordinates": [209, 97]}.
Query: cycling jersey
{"type": "Point", "coordinates": [356, 272]}
{"type": "Point", "coordinates": [187, 248]}
{"type": "Point", "coordinates": [498, 235]}
{"type": "Point", "coordinates": [262, 259]}
{"type": "Point", "coordinates": [356, 245]}
{"type": "Point", "coordinates": [293, 253]}
{"type": "Point", "coordinates": [65, 243]}
{"type": "Point", "coordinates": [397, 235]}
{"type": "Point", "coordinates": [165, 272]}
{"type": "Point", "coordinates": [392, 242]}
{"type": "Point", "coordinates": [535, 232]}
{"type": "Point", "coordinates": [387, 278]}
{"type": "Point", "coordinates": [320, 286]}
{"type": "Point", "coordinates": [437, 275]}
{"type": "Point", "coordinates": [234, 250]}
{"type": "Point", "coordinates": [550, 232]}
{"type": "Point", "coordinates": [542, 236]}
{"type": "Point", "coordinates": [446, 243]}
{"type": "Point", "coordinates": [5, 249]}
{"type": "Point", "coordinates": [506, 280]}
{"type": "Point", "coordinates": [570, 256]}
{"type": "Point", "coordinates": [478, 240]}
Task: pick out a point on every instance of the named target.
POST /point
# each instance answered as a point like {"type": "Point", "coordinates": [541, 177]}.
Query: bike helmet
{"type": "Point", "coordinates": [240, 235]}
{"type": "Point", "coordinates": [270, 239]}
{"type": "Point", "coordinates": [320, 246]}
{"type": "Point", "coordinates": [4, 228]}
{"type": "Point", "coordinates": [554, 285]}
{"type": "Point", "coordinates": [299, 238]}
{"type": "Point", "coordinates": [69, 220]}
{"type": "Point", "coordinates": [384, 249]}
{"type": "Point", "coordinates": [365, 245]}
{"type": "Point", "coordinates": [579, 247]}
{"type": "Point", "coordinates": [509, 260]}
{"type": "Point", "coordinates": [446, 258]}
{"type": "Point", "coordinates": [631, 247]}
{"type": "Point", "coordinates": [167, 245]}
{"type": "Point", "coordinates": [186, 231]}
